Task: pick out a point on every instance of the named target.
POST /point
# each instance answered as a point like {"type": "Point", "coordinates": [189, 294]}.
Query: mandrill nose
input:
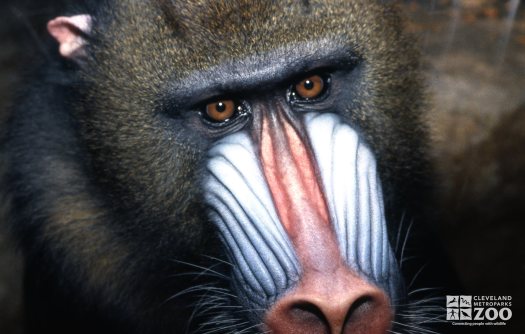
{"type": "Point", "coordinates": [337, 304]}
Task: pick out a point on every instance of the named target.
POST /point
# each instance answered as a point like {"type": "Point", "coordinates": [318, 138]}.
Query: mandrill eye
{"type": "Point", "coordinates": [310, 88]}
{"type": "Point", "coordinates": [225, 113]}
{"type": "Point", "coordinates": [221, 111]}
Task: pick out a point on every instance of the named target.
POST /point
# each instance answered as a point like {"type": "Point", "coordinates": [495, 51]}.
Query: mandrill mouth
{"type": "Point", "coordinates": [303, 221]}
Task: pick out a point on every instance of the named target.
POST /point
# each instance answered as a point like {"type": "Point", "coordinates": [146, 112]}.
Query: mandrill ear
{"type": "Point", "coordinates": [71, 33]}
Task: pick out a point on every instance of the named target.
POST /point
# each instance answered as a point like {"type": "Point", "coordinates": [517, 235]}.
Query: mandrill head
{"type": "Point", "coordinates": [281, 139]}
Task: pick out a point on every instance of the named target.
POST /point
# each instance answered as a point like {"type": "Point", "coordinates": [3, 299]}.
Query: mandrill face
{"type": "Point", "coordinates": [275, 148]}
{"type": "Point", "coordinates": [309, 238]}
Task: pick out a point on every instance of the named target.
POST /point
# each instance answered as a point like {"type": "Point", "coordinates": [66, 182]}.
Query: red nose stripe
{"type": "Point", "coordinates": [290, 175]}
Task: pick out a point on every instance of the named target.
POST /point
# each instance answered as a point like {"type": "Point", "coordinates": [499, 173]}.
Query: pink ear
{"type": "Point", "coordinates": [69, 33]}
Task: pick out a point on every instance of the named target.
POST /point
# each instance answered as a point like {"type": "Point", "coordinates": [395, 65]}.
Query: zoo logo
{"type": "Point", "coordinates": [461, 308]}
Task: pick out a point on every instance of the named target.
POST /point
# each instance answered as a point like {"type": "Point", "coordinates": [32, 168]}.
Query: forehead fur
{"type": "Point", "coordinates": [193, 35]}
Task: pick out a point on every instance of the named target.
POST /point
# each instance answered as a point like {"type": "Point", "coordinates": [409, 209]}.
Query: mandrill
{"type": "Point", "coordinates": [226, 167]}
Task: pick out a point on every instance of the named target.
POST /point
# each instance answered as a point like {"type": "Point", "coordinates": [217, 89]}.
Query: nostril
{"type": "Point", "coordinates": [332, 314]}
{"type": "Point", "coordinates": [297, 316]}
{"type": "Point", "coordinates": [368, 314]}
{"type": "Point", "coordinates": [310, 316]}
{"type": "Point", "coordinates": [322, 317]}
{"type": "Point", "coordinates": [338, 302]}
{"type": "Point", "coordinates": [358, 311]}
{"type": "Point", "coordinates": [316, 320]}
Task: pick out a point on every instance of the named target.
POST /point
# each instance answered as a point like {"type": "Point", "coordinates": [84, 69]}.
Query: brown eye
{"type": "Point", "coordinates": [310, 88]}
{"type": "Point", "coordinates": [220, 111]}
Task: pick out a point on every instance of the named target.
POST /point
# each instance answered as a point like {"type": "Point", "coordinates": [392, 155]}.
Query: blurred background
{"type": "Point", "coordinates": [474, 63]}
{"type": "Point", "coordinates": [474, 58]}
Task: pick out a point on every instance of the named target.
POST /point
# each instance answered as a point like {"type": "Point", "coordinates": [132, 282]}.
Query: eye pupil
{"type": "Point", "coordinates": [308, 84]}
{"type": "Point", "coordinates": [220, 107]}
